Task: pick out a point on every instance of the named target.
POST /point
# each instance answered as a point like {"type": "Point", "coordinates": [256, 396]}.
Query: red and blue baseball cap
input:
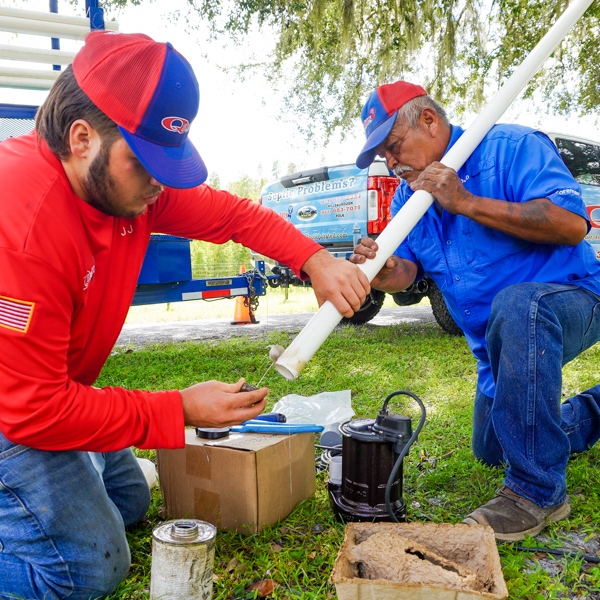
{"type": "Point", "coordinates": [150, 91]}
{"type": "Point", "coordinates": [379, 115]}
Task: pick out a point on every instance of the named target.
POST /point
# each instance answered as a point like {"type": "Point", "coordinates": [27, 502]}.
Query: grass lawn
{"type": "Point", "coordinates": [442, 481]}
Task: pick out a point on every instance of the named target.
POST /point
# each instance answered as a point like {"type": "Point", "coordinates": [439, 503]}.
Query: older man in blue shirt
{"type": "Point", "coordinates": [504, 243]}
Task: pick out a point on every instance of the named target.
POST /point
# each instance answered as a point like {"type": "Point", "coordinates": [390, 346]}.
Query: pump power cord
{"type": "Point", "coordinates": [404, 452]}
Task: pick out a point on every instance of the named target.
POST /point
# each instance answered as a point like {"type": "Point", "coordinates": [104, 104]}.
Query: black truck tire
{"type": "Point", "coordinates": [371, 306]}
{"type": "Point", "coordinates": [440, 311]}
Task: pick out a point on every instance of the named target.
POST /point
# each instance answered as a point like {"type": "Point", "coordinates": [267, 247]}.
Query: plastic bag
{"type": "Point", "coordinates": [149, 470]}
{"type": "Point", "coordinates": [323, 409]}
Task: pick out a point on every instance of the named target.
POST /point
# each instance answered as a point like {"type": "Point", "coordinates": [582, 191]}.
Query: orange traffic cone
{"type": "Point", "coordinates": [243, 314]}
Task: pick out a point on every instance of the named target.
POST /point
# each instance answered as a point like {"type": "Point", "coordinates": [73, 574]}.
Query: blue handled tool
{"type": "Point", "coordinates": [277, 428]}
{"type": "Point", "coordinates": [272, 417]}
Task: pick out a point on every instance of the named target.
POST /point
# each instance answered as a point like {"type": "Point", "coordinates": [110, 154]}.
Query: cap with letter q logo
{"type": "Point", "coordinates": [379, 115]}
{"type": "Point", "coordinates": [141, 84]}
{"type": "Point", "coordinates": [176, 124]}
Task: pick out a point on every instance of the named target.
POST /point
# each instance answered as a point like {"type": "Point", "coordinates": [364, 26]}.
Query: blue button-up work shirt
{"type": "Point", "coordinates": [471, 263]}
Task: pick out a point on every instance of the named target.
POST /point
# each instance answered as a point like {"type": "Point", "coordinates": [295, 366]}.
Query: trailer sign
{"type": "Point", "coordinates": [213, 282]}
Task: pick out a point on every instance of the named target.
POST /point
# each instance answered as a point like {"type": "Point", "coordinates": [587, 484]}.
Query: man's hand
{"type": "Point", "coordinates": [538, 220]}
{"type": "Point", "coordinates": [445, 186]}
{"type": "Point", "coordinates": [397, 274]}
{"type": "Point", "coordinates": [338, 281]}
{"type": "Point", "coordinates": [218, 404]}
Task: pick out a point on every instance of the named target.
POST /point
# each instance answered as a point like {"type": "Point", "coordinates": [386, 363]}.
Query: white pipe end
{"type": "Point", "coordinates": [287, 371]}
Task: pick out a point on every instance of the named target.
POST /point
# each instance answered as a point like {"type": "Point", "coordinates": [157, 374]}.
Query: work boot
{"type": "Point", "coordinates": [512, 516]}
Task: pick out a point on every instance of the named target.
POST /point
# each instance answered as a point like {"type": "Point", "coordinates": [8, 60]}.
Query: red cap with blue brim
{"type": "Point", "coordinates": [150, 91]}
{"type": "Point", "coordinates": [379, 115]}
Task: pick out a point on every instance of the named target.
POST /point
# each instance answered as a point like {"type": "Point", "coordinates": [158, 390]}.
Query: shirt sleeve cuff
{"type": "Point", "coordinates": [406, 254]}
{"type": "Point", "coordinates": [165, 418]}
{"type": "Point", "coordinates": [304, 256]}
{"type": "Point", "coordinates": [569, 200]}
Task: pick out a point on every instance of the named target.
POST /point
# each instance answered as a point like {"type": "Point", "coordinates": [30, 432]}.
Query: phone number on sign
{"type": "Point", "coordinates": [346, 208]}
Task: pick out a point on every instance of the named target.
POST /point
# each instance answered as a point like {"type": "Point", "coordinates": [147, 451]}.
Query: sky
{"type": "Point", "coordinates": [241, 129]}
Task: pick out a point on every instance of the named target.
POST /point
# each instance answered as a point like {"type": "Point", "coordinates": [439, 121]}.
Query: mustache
{"type": "Point", "coordinates": [399, 170]}
{"type": "Point", "coordinates": [154, 192]}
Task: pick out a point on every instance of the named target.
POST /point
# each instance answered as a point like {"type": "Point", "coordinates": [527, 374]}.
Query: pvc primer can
{"type": "Point", "coordinates": [183, 554]}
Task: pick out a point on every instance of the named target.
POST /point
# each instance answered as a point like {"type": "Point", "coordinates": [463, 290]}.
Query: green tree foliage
{"type": "Point", "coordinates": [343, 49]}
{"type": "Point", "coordinates": [331, 54]}
{"type": "Point", "coordinates": [214, 181]}
{"type": "Point", "coordinates": [247, 187]}
{"type": "Point", "coordinates": [275, 169]}
{"type": "Point", "coordinates": [216, 260]}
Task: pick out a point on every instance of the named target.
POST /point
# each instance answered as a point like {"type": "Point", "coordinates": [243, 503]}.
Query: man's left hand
{"type": "Point", "coordinates": [445, 186]}
{"type": "Point", "coordinates": [336, 280]}
{"type": "Point", "coordinates": [538, 220]}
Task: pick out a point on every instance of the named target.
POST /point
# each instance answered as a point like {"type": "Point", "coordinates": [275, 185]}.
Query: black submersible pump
{"type": "Point", "coordinates": [371, 475]}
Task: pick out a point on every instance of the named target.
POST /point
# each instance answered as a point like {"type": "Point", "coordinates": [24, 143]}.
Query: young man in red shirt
{"type": "Point", "coordinates": [109, 163]}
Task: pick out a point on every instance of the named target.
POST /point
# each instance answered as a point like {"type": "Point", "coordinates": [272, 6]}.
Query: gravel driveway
{"type": "Point", "coordinates": [214, 329]}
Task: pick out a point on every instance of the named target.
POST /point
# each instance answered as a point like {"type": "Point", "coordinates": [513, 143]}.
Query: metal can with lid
{"type": "Point", "coordinates": [183, 555]}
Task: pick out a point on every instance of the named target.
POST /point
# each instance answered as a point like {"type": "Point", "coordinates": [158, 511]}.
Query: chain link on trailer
{"type": "Point", "coordinates": [251, 300]}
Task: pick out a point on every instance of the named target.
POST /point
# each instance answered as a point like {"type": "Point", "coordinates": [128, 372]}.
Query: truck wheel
{"type": "Point", "coordinates": [440, 311]}
{"type": "Point", "coordinates": [371, 306]}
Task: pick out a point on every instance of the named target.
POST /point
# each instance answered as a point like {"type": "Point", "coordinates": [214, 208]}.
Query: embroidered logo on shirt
{"type": "Point", "coordinates": [15, 314]}
{"type": "Point", "coordinates": [89, 276]}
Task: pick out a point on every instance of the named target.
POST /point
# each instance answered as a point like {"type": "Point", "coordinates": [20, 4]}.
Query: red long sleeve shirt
{"type": "Point", "coordinates": [67, 276]}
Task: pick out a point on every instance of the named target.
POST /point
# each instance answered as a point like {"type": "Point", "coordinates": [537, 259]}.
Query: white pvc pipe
{"type": "Point", "coordinates": [45, 28]}
{"type": "Point", "coordinates": [316, 331]}
{"type": "Point", "coordinates": [53, 18]}
{"type": "Point", "coordinates": [21, 83]}
{"type": "Point", "coordinates": [29, 73]}
{"type": "Point", "coordinates": [37, 55]}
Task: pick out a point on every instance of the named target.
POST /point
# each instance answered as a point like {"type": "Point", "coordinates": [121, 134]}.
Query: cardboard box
{"type": "Point", "coordinates": [468, 547]}
{"type": "Point", "coordinates": [243, 483]}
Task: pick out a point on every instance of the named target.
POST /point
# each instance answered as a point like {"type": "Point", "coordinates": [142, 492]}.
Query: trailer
{"type": "Point", "coordinates": [166, 276]}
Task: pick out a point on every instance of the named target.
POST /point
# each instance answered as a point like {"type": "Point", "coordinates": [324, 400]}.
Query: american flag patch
{"type": "Point", "coordinates": [15, 314]}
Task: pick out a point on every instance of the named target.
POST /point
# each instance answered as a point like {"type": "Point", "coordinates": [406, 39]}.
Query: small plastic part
{"type": "Point", "coordinates": [335, 470]}
{"type": "Point", "coordinates": [247, 387]}
{"type": "Point", "coordinates": [275, 352]}
{"type": "Point", "coordinates": [331, 436]}
{"type": "Point", "coordinates": [212, 433]}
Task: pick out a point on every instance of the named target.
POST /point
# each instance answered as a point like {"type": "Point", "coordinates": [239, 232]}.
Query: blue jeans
{"type": "Point", "coordinates": [62, 521]}
{"type": "Point", "coordinates": [534, 329]}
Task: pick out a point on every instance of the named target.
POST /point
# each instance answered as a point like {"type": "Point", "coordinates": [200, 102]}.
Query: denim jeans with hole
{"type": "Point", "coordinates": [533, 331]}
{"type": "Point", "coordinates": [62, 521]}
